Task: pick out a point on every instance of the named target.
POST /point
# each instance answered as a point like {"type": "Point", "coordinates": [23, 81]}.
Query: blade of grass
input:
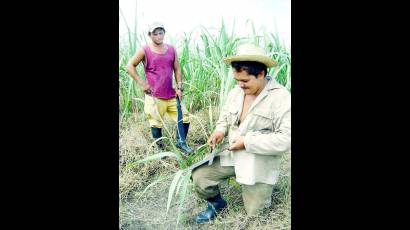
{"type": "Point", "coordinates": [172, 188]}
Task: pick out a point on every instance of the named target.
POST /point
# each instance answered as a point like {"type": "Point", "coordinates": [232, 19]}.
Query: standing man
{"type": "Point", "coordinates": [160, 63]}
{"type": "Point", "coordinates": [256, 120]}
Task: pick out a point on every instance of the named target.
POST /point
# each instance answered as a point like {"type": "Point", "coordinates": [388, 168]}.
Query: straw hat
{"type": "Point", "coordinates": [155, 25]}
{"type": "Point", "coordinates": [250, 52]}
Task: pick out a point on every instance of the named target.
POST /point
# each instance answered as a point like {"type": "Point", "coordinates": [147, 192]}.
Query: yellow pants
{"type": "Point", "coordinates": [155, 110]}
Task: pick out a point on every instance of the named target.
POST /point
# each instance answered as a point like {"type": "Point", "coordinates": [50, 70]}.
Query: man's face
{"type": "Point", "coordinates": [250, 84]}
{"type": "Point", "coordinates": [157, 36]}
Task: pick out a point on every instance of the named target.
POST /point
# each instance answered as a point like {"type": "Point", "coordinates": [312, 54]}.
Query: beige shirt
{"type": "Point", "coordinates": [266, 130]}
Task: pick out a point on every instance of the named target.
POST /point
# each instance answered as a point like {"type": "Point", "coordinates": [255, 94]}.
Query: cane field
{"type": "Point", "coordinates": [155, 190]}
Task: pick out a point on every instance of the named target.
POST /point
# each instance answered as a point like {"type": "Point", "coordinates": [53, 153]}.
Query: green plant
{"type": "Point", "coordinates": [179, 188]}
{"type": "Point", "coordinates": [207, 79]}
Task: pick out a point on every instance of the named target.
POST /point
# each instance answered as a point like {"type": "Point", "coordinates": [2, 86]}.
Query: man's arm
{"type": "Point", "coordinates": [178, 75]}
{"type": "Point", "coordinates": [131, 69]}
{"type": "Point", "coordinates": [221, 126]}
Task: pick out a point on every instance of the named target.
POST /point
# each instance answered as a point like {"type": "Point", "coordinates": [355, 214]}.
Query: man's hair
{"type": "Point", "coordinates": [252, 67]}
{"type": "Point", "coordinates": [159, 28]}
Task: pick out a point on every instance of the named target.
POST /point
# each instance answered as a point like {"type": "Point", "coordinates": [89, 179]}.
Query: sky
{"type": "Point", "coordinates": [181, 16]}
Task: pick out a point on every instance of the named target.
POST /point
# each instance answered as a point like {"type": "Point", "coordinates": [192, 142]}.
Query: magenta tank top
{"type": "Point", "coordinates": [159, 69]}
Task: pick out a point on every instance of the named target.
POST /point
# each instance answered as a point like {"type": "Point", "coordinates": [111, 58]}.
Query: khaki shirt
{"type": "Point", "coordinates": [266, 130]}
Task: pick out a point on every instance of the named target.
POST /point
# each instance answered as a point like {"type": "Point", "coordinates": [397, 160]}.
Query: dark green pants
{"type": "Point", "coordinates": [207, 178]}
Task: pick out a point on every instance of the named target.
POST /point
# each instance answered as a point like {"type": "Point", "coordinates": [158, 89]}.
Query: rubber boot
{"type": "Point", "coordinates": [181, 144]}
{"type": "Point", "coordinates": [157, 133]}
{"type": "Point", "coordinates": [215, 205]}
{"type": "Point", "coordinates": [186, 129]}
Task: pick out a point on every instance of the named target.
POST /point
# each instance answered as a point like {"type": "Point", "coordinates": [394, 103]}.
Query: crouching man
{"type": "Point", "coordinates": [256, 119]}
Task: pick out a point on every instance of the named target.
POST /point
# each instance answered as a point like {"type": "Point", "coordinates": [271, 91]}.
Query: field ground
{"type": "Point", "coordinates": [148, 210]}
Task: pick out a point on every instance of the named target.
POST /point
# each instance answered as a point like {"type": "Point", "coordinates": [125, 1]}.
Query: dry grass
{"type": "Point", "coordinates": [148, 211]}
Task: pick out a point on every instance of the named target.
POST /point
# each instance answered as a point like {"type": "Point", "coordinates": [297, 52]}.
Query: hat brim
{"type": "Point", "coordinates": [257, 58]}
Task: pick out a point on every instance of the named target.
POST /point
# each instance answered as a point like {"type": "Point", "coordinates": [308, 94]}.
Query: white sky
{"type": "Point", "coordinates": [181, 16]}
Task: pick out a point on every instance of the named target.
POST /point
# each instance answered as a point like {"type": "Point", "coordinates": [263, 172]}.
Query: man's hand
{"type": "Point", "coordinates": [147, 89]}
{"type": "Point", "coordinates": [237, 144]}
{"type": "Point", "coordinates": [215, 138]}
{"type": "Point", "coordinates": [179, 94]}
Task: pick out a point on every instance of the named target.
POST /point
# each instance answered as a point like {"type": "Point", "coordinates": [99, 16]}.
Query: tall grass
{"type": "Point", "coordinates": [207, 79]}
